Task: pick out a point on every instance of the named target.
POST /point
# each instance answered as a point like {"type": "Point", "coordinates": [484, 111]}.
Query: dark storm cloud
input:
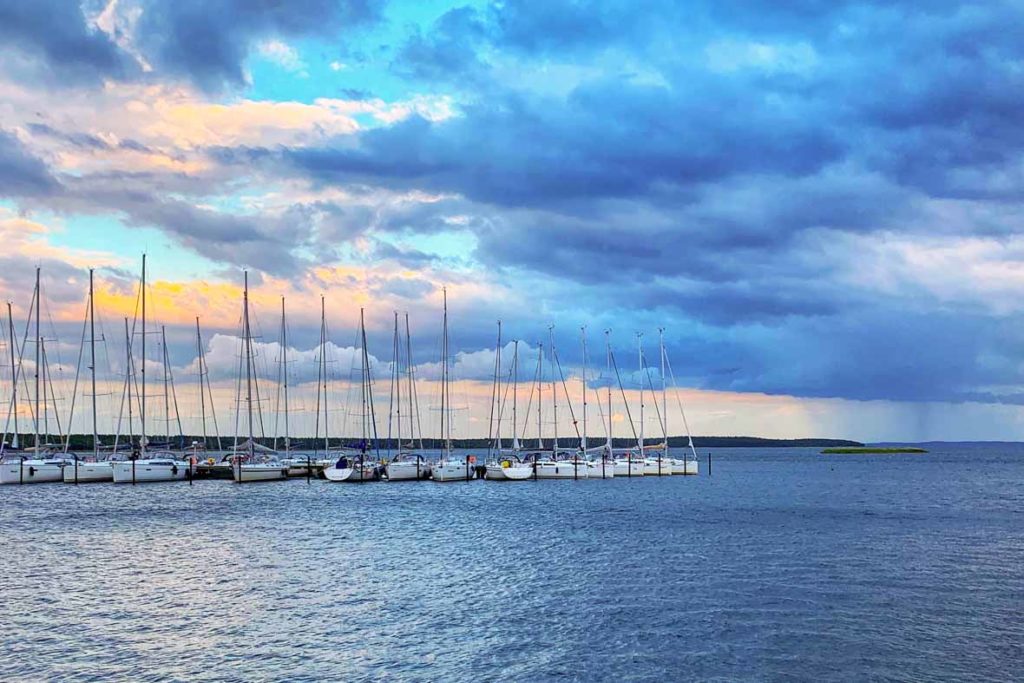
{"type": "Point", "coordinates": [205, 42]}
{"type": "Point", "coordinates": [55, 33]}
{"type": "Point", "coordinates": [21, 173]}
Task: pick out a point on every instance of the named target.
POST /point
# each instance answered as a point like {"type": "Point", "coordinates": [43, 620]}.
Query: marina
{"type": "Point", "coordinates": [382, 448]}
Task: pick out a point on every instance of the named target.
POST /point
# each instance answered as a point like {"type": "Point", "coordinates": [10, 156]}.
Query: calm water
{"type": "Point", "coordinates": [783, 565]}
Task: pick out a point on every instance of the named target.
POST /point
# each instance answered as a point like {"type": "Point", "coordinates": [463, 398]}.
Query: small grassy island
{"type": "Point", "coordinates": [872, 449]}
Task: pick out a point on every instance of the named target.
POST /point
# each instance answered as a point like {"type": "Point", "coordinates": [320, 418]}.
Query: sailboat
{"type": "Point", "coordinates": [45, 464]}
{"type": "Point", "coordinates": [545, 462]}
{"type": "Point", "coordinates": [574, 459]}
{"type": "Point", "coordinates": [407, 465]}
{"type": "Point", "coordinates": [602, 466]}
{"type": "Point", "coordinates": [253, 462]}
{"type": "Point", "coordinates": [507, 464]}
{"type": "Point", "coordinates": [356, 466]}
{"type": "Point", "coordinates": [297, 466]}
{"type": "Point", "coordinates": [92, 469]}
{"type": "Point", "coordinates": [448, 467]}
{"type": "Point", "coordinates": [683, 465]}
{"type": "Point", "coordinates": [146, 465]}
{"type": "Point", "coordinates": [628, 466]}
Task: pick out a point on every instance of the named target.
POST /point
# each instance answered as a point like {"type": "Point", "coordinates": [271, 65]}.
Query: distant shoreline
{"type": "Point", "coordinates": [872, 450]}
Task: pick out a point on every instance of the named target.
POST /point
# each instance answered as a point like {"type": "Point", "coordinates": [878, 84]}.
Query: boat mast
{"type": "Point", "coordinates": [554, 394]}
{"type": "Point", "coordinates": [640, 356]}
{"type": "Point", "coordinates": [284, 375]}
{"type": "Point", "coordinates": [497, 376]}
{"type": "Point", "coordinates": [128, 382]}
{"type": "Point", "coordinates": [323, 364]}
{"type": "Point", "coordinates": [515, 391]}
{"type": "Point", "coordinates": [412, 387]}
{"type": "Point", "coordinates": [608, 345]}
{"type": "Point", "coordinates": [202, 392]}
{"type": "Point", "coordinates": [395, 401]}
{"type": "Point", "coordinates": [444, 376]}
{"type": "Point", "coordinates": [92, 366]}
{"type": "Point", "coordinates": [664, 389]}
{"type": "Point", "coordinates": [39, 340]}
{"type": "Point", "coordinates": [14, 376]}
{"type": "Point", "coordinates": [540, 380]}
{"type": "Point", "coordinates": [142, 416]}
{"type": "Point", "coordinates": [248, 367]}
{"type": "Point", "coordinates": [583, 439]}
{"type": "Point", "coordinates": [167, 393]}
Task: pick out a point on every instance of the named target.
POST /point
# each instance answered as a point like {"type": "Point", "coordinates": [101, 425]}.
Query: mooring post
{"type": "Point", "coordinates": [709, 463]}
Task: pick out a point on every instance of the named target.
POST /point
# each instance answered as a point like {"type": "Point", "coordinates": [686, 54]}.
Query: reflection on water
{"type": "Point", "coordinates": [783, 564]}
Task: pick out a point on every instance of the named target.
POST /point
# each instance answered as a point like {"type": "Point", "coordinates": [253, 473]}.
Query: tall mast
{"type": "Point", "coordinates": [515, 391]}
{"type": "Point", "coordinates": [366, 410]}
{"type": "Point", "coordinates": [142, 417]}
{"type": "Point", "coordinates": [92, 367]}
{"type": "Point", "coordinates": [640, 356]}
{"type": "Point", "coordinates": [397, 373]}
{"type": "Point", "coordinates": [248, 363]}
{"type": "Point", "coordinates": [664, 388]}
{"type": "Point", "coordinates": [202, 393]}
{"type": "Point", "coordinates": [412, 386]}
{"type": "Point", "coordinates": [323, 368]}
{"type": "Point", "coordinates": [497, 377]}
{"type": "Point", "coordinates": [608, 345]}
{"type": "Point", "coordinates": [554, 394]}
{"type": "Point", "coordinates": [128, 380]}
{"type": "Point", "coordinates": [39, 342]}
{"type": "Point", "coordinates": [540, 379]}
{"type": "Point", "coordinates": [167, 379]}
{"type": "Point", "coordinates": [284, 375]}
{"type": "Point", "coordinates": [583, 439]}
{"type": "Point", "coordinates": [444, 374]}
{"type": "Point", "coordinates": [14, 376]}
{"type": "Point", "coordinates": [46, 403]}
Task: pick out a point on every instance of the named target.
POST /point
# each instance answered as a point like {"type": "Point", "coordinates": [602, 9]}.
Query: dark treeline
{"type": "Point", "coordinates": [83, 442]}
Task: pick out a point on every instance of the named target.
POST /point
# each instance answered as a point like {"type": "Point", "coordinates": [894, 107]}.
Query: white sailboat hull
{"type": "Point", "coordinates": [351, 474]}
{"type": "Point", "coordinates": [599, 470]}
{"type": "Point", "coordinates": [451, 471]}
{"type": "Point", "coordinates": [692, 467]}
{"type": "Point", "coordinates": [88, 472]}
{"type": "Point", "coordinates": [148, 471]}
{"type": "Point", "coordinates": [259, 472]}
{"type": "Point", "coordinates": [625, 468]}
{"type": "Point", "coordinates": [653, 468]}
{"type": "Point", "coordinates": [30, 472]}
{"type": "Point", "coordinates": [406, 471]}
{"type": "Point", "coordinates": [561, 470]}
{"type": "Point", "coordinates": [513, 472]}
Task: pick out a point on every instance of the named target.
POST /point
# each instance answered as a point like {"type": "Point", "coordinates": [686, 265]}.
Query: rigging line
{"type": "Point", "coordinates": [78, 372]}
{"type": "Point", "coordinates": [18, 369]}
{"type": "Point", "coordinates": [679, 401]}
{"type": "Point", "coordinates": [565, 388]}
{"type": "Point", "coordinates": [174, 399]}
{"type": "Point", "coordinates": [494, 393]}
{"type": "Point", "coordinates": [48, 378]}
{"type": "Point", "coordinates": [657, 408]}
{"type": "Point", "coordinates": [529, 400]}
{"type": "Point", "coordinates": [623, 392]}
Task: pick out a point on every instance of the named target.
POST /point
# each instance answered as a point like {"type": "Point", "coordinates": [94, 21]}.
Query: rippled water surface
{"type": "Point", "coordinates": [782, 565]}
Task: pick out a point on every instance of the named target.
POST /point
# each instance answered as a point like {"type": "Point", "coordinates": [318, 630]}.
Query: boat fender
{"type": "Point", "coordinates": [471, 459]}
{"type": "Point", "coordinates": [506, 463]}
{"type": "Point", "coordinates": [174, 470]}
{"type": "Point", "coordinates": [210, 461]}
{"type": "Point", "coordinates": [31, 471]}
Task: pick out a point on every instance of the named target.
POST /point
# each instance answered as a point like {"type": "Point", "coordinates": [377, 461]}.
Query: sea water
{"type": "Point", "coordinates": [783, 565]}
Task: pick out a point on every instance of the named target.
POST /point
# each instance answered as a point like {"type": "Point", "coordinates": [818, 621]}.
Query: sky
{"type": "Point", "coordinates": [817, 202]}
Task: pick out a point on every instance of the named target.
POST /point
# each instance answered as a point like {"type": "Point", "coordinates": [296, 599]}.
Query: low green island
{"type": "Point", "coordinates": [872, 450]}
